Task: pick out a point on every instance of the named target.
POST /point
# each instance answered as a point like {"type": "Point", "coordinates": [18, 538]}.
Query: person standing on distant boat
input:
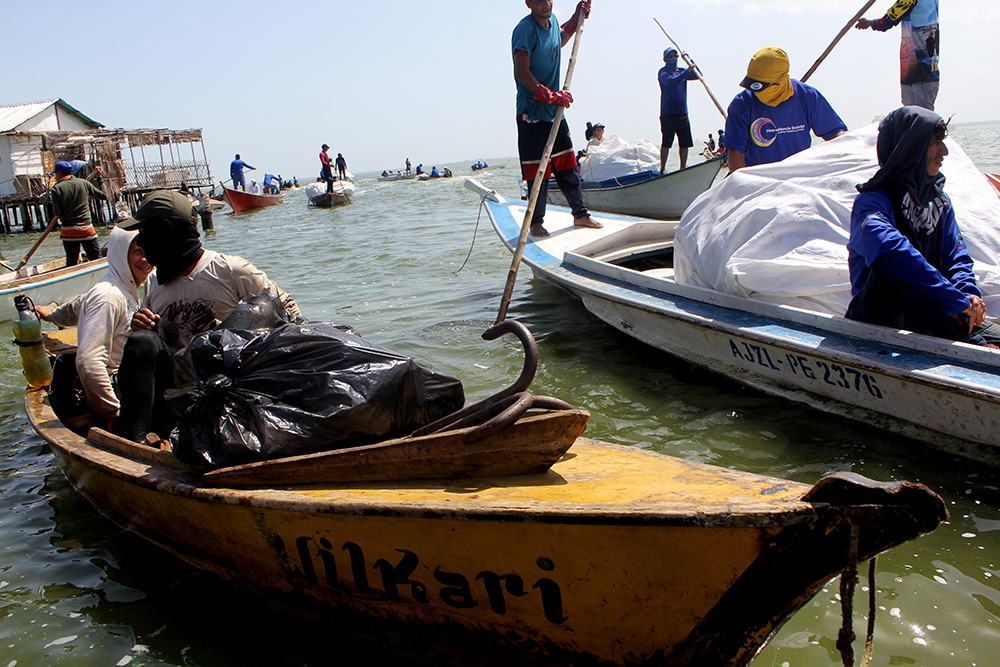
{"type": "Point", "coordinates": [407, 165]}
{"type": "Point", "coordinates": [71, 206]}
{"type": "Point", "coordinates": [341, 166]}
{"type": "Point", "coordinates": [919, 52]}
{"type": "Point", "coordinates": [909, 265]}
{"type": "Point", "coordinates": [536, 44]}
{"type": "Point", "coordinates": [773, 117]}
{"type": "Point", "coordinates": [236, 168]}
{"type": "Point", "coordinates": [674, 119]}
{"type": "Point", "coordinates": [327, 167]}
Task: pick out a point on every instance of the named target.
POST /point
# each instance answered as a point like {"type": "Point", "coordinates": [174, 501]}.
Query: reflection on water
{"type": "Point", "coordinates": [75, 589]}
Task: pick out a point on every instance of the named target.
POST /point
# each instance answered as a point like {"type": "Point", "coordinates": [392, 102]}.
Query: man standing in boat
{"type": "Point", "coordinates": [324, 160]}
{"type": "Point", "coordinates": [236, 168]}
{"type": "Point", "coordinates": [918, 54]}
{"type": "Point", "coordinates": [341, 166]}
{"type": "Point", "coordinates": [536, 44]}
{"type": "Point", "coordinates": [71, 206]}
{"type": "Point", "coordinates": [773, 117]}
{"type": "Point", "coordinates": [674, 119]}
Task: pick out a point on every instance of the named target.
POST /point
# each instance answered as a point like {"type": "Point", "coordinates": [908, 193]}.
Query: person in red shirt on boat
{"type": "Point", "coordinates": [324, 160]}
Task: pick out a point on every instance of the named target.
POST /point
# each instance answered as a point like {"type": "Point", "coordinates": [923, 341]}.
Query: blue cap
{"type": "Point", "coordinates": [666, 54]}
{"type": "Point", "coordinates": [63, 167]}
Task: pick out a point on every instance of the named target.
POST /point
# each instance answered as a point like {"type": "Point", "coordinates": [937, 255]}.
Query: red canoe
{"type": "Point", "coordinates": [241, 202]}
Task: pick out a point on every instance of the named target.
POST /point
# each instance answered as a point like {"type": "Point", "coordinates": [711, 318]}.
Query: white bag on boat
{"type": "Point", "coordinates": [614, 157]}
{"type": "Point", "coordinates": [778, 232]}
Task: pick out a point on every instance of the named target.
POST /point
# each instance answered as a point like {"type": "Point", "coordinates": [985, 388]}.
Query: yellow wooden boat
{"type": "Point", "coordinates": [614, 555]}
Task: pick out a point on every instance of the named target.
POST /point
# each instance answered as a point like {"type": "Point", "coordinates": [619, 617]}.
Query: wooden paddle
{"type": "Point", "coordinates": [836, 39]}
{"type": "Point", "coordinates": [701, 76]}
{"type": "Point", "coordinates": [536, 188]}
{"type": "Point", "coordinates": [31, 252]}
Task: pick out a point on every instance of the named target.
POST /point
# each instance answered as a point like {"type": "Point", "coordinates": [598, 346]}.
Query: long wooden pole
{"type": "Point", "coordinates": [836, 39]}
{"type": "Point", "coordinates": [536, 187]}
{"type": "Point", "coordinates": [701, 76]}
{"type": "Point", "coordinates": [41, 238]}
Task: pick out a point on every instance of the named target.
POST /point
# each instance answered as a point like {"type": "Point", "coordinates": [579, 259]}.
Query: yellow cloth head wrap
{"type": "Point", "coordinates": [770, 65]}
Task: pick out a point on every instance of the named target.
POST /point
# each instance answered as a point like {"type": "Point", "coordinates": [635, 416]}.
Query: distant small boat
{"type": "Point", "coordinates": [241, 202]}
{"type": "Point", "coordinates": [340, 194]}
{"type": "Point", "coordinates": [51, 281]}
{"type": "Point", "coordinates": [646, 194]}
{"type": "Point", "coordinates": [446, 173]}
{"type": "Point", "coordinates": [479, 166]}
{"type": "Point", "coordinates": [397, 176]}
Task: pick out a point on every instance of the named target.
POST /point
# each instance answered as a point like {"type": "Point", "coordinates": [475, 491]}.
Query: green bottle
{"type": "Point", "coordinates": [28, 337]}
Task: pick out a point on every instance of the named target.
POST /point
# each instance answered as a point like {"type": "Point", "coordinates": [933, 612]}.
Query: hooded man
{"type": "Point", "coordinates": [674, 119]}
{"type": "Point", "coordinates": [103, 316]}
{"type": "Point", "coordinates": [192, 290]}
{"type": "Point", "coordinates": [773, 117]}
{"type": "Point", "coordinates": [910, 268]}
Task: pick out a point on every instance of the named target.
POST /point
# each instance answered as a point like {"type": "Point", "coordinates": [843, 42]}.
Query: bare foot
{"type": "Point", "coordinates": [587, 221]}
{"type": "Point", "coordinates": [538, 231]}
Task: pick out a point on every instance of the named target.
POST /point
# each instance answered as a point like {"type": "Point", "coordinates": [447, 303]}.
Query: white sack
{"type": "Point", "coordinates": [778, 232]}
{"type": "Point", "coordinates": [614, 157]}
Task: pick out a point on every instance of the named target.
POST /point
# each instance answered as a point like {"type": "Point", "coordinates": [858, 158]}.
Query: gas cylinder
{"type": "Point", "coordinates": [28, 337]}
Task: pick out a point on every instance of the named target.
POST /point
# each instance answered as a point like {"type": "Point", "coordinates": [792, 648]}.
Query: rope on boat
{"type": "Point", "coordinates": [848, 581]}
{"type": "Point", "coordinates": [507, 405]}
{"type": "Point", "coordinates": [482, 205]}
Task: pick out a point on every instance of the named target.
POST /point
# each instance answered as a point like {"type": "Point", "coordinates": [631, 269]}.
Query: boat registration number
{"type": "Point", "coordinates": [800, 365]}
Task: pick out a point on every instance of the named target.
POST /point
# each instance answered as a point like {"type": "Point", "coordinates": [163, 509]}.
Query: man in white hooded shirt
{"type": "Point", "coordinates": [103, 318]}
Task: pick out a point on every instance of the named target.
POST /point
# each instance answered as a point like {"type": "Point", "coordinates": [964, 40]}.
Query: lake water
{"type": "Point", "coordinates": [415, 268]}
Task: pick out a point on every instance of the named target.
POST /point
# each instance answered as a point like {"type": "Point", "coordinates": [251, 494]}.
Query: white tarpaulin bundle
{"type": "Point", "coordinates": [614, 157]}
{"type": "Point", "coordinates": [778, 232]}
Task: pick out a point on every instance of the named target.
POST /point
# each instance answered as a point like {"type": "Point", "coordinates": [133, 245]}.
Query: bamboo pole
{"type": "Point", "coordinates": [836, 39]}
{"type": "Point", "coordinates": [701, 76]}
{"type": "Point", "coordinates": [536, 187]}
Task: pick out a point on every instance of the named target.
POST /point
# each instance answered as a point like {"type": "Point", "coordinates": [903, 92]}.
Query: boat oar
{"type": "Point", "coordinates": [701, 76]}
{"type": "Point", "coordinates": [31, 252]}
{"type": "Point", "coordinates": [836, 39]}
{"type": "Point", "coordinates": [536, 187]}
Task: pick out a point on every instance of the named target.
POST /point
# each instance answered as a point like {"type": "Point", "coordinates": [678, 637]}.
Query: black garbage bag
{"type": "Point", "coordinates": [298, 389]}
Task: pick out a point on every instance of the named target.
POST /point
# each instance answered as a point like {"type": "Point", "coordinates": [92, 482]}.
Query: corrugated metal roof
{"type": "Point", "coordinates": [12, 115]}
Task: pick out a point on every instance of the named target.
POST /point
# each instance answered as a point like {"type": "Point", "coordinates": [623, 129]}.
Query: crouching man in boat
{"type": "Point", "coordinates": [910, 268]}
{"type": "Point", "coordinates": [773, 117]}
{"type": "Point", "coordinates": [536, 43]}
{"type": "Point", "coordinates": [193, 290]}
{"type": "Point", "coordinates": [103, 317]}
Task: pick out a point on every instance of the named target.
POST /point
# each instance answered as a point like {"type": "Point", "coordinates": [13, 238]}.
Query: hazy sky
{"type": "Point", "coordinates": [383, 80]}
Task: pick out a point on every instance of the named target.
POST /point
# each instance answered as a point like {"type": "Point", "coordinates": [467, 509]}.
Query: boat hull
{"type": "Point", "coordinates": [242, 202]}
{"type": "Point", "coordinates": [52, 281]}
{"type": "Point", "coordinates": [661, 198]}
{"type": "Point", "coordinates": [944, 393]}
{"type": "Point", "coordinates": [614, 556]}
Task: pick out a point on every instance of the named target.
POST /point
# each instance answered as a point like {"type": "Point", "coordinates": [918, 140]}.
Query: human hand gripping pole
{"type": "Point", "coordinates": [582, 12]}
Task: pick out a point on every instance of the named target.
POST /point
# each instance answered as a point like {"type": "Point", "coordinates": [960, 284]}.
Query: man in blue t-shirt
{"type": "Point", "coordinates": [674, 108]}
{"type": "Point", "coordinates": [236, 168]}
{"type": "Point", "coordinates": [919, 75]}
{"type": "Point", "coordinates": [773, 117]}
{"type": "Point", "coordinates": [536, 45]}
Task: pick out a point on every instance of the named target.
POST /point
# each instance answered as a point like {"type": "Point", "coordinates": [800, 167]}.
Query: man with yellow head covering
{"type": "Point", "coordinates": [773, 117]}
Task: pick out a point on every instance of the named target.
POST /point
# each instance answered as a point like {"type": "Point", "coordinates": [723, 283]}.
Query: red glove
{"type": "Point", "coordinates": [560, 99]}
{"type": "Point", "coordinates": [571, 25]}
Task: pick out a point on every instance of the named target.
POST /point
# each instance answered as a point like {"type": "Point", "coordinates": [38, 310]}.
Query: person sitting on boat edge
{"type": "Point", "coordinates": [536, 44]}
{"type": "Point", "coordinates": [420, 169]}
{"type": "Point", "coordinates": [271, 184]}
{"type": "Point", "coordinates": [434, 172]}
{"type": "Point", "coordinates": [910, 268]}
{"type": "Point", "coordinates": [773, 117]}
{"type": "Point", "coordinates": [193, 289]}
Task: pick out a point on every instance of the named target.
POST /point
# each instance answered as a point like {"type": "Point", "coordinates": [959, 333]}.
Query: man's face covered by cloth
{"type": "Point", "coordinates": [168, 233]}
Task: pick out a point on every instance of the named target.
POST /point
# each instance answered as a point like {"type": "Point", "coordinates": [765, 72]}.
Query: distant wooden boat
{"type": "Point", "coordinates": [397, 176]}
{"type": "Point", "coordinates": [647, 194]}
{"type": "Point", "coordinates": [615, 555]}
{"type": "Point", "coordinates": [445, 173]}
{"type": "Point", "coordinates": [241, 202]}
{"type": "Point", "coordinates": [340, 194]}
{"type": "Point", "coordinates": [51, 281]}
{"type": "Point", "coordinates": [479, 166]}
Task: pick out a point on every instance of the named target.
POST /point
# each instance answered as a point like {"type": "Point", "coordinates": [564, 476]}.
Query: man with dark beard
{"type": "Point", "coordinates": [193, 290]}
{"type": "Point", "coordinates": [910, 268]}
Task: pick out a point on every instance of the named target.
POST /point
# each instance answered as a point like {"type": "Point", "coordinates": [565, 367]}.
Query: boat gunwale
{"type": "Point", "coordinates": [55, 275]}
